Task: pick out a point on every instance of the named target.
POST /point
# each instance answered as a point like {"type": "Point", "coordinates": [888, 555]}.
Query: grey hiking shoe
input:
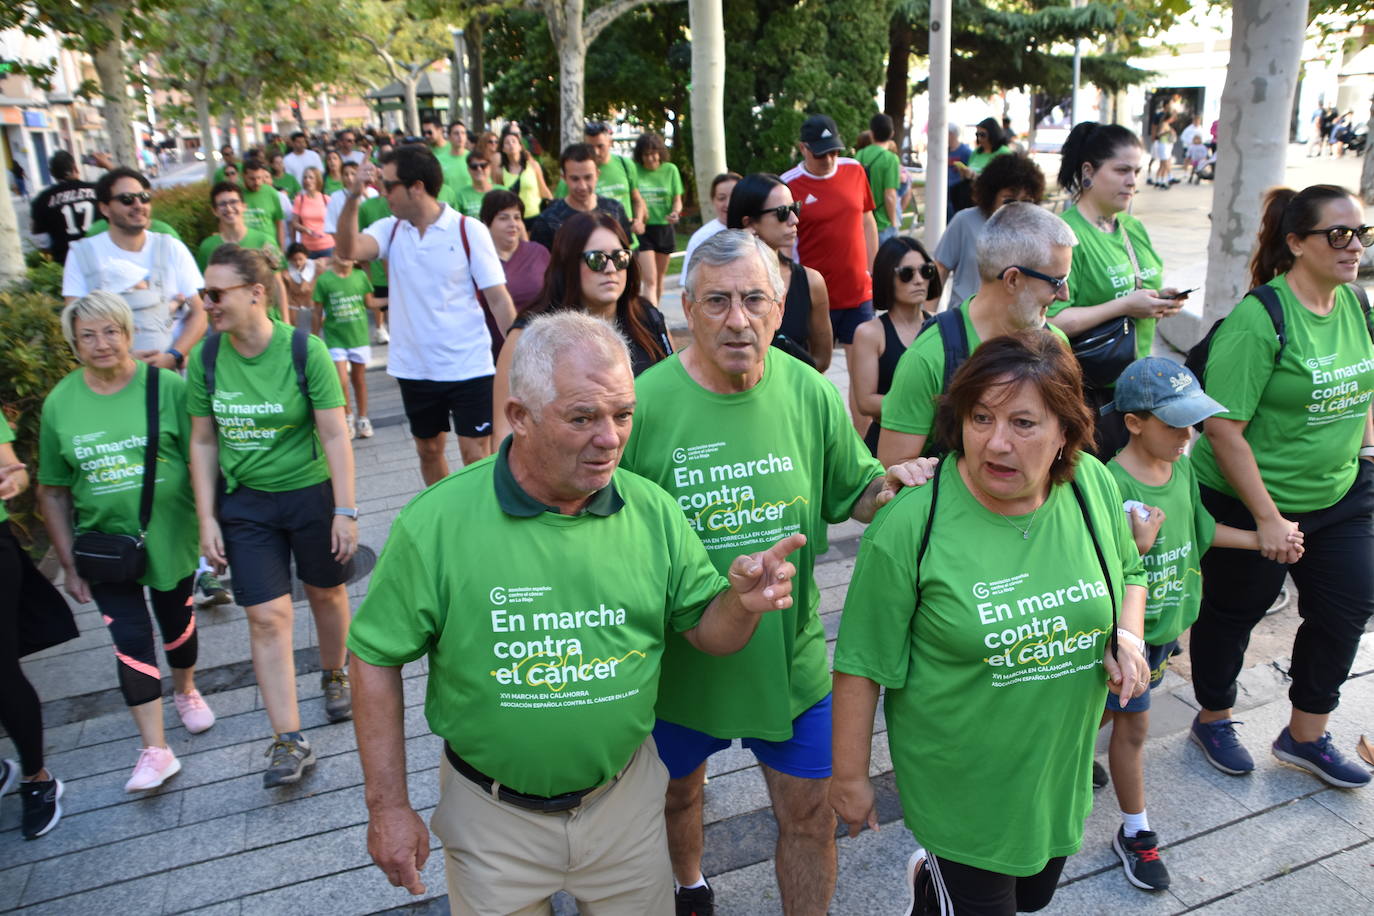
{"type": "Point", "coordinates": [338, 698]}
{"type": "Point", "coordinates": [290, 754]}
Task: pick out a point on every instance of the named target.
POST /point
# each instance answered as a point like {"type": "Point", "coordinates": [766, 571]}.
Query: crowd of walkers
{"type": "Point", "coordinates": [623, 570]}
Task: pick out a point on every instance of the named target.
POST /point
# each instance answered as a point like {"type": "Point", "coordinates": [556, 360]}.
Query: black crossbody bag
{"type": "Point", "coordinates": [1106, 350]}
{"type": "Point", "coordinates": [118, 558]}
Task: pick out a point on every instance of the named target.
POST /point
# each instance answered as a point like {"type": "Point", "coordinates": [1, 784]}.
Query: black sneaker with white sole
{"type": "Point", "coordinates": [42, 806]}
{"type": "Point", "coordinates": [1139, 856]}
{"type": "Point", "coordinates": [696, 901]}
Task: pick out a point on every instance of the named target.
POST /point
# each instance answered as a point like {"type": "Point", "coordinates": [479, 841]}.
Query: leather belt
{"type": "Point", "coordinates": [541, 803]}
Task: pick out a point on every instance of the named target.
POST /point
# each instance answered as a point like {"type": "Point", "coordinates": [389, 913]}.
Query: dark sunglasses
{"type": "Point", "coordinates": [908, 273]}
{"type": "Point", "coordinates": [619, 259]}
{"type": "Point", "coordinates": [144, 197]}
{"type": "Point", "coordinates": [390, 186]}
{"type": "Point", "coordinates": [1339, 237]}
{"type": "Point", "coordinates": [781, 212]}
{"type": "Point", "coordinates": [1057, 282]}
{"type": "Point", "coordinates": [478, 165]}
{"type": "Point", "coordinates": [215, 295]}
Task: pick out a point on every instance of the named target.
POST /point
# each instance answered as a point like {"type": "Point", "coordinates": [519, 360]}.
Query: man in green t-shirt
{"type": "Point", "coordinates": [544, 645]}
{"type": "Point", "coordinates": [453, 158]}
{"type": "Point", "coordinates": [282, 180]}
{"type": "Point", "coordinates": [470, 198]}
{"type": "Point", "coordinates": [1024, 255]}
{"type": "Point", "coordinates": [226, 198]}
{"type": "Point", "coordinates": [262, 203]}
{"type": "Point", "coordinates": [752, 445]}
{"type": "Point", "coordinates": [884, 176]}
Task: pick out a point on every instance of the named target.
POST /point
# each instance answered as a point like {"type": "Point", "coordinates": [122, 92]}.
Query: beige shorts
{"type": "Point", "coordinates": [610, 854]}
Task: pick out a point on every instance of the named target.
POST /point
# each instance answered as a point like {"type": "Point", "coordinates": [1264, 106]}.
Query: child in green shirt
{"type": "Point", "coordinates": [343, 299]}
{"type": "Point", "coordinates": [1161, 401]}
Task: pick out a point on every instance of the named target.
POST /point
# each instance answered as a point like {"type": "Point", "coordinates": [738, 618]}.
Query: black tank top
{"type": "Point", "coordinates": [893, 348]}
{"type": "Point", "coordinates": [796, 308]}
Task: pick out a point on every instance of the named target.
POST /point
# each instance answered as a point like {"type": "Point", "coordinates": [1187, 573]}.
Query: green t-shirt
{"type": "Point", "coordinates": [330, 185]}
{"type": "Point", "coordinates": [1174, 564]}
{"type": "Point", "coordinates": [157, 225]}
{"type": "Point", "coordinates": [253, 238]}
{"type": "Point", "coordinates": [262, 209]}
{"type": "Point", "coordinates": [978, 160]}
{"type": "Point", "coordinates": [658, 188]}
{"type": "Point", "coordinates": [884, 172]}
{"type": "Point", "coordinates": [993, 668]}
{"type": "Point", "coordinates": [1102, 269]}
{"type": "Point", "coordinates": [6, 435]}
{"type": "Point", "coordinates": [265, 427]}
{"type": "Point", "coordinates": [94, 445]}
{"type": "Point", "coordinates": [909, 405]}
{"type": "Point", "coordinates": [455, 168]}
{"type": "Point", "coordinates": [1305, 416]}
{"type": "Point", "coordinates": [345, 314]}
{"type": "Point", "coordinates": [287, 184]}
{"type": "Point", "coordinates": [617, 179]}
{"type": "Point", "coordinates": [544, 658]}
{"type": "Point", "coordinates": [370, 211]}
{"type": "Point", "coordinates": [748, 469]}
{"type": "Point", "coordinates": [470, 202]}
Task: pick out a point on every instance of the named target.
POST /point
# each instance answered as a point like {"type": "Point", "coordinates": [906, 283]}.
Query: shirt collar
{"type": "Point", "coordinates": [515, 501]}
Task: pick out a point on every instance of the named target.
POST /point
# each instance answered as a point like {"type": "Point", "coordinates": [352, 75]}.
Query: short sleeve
{"type": "Point", "coordinates": [950, 251]}
{"type": "Point", "coordinates": [172, 391]}
{"type": "Point", "coordinates": [1243, 350]}
{"type": "Point", "coordinates": [401, 617]}
{"type": "Point", "coordinates": [1132, 563]}
{"type": "Point", "coordinates": [889, 172]}
{"type": "Point", "coordinates": [486, 264]}
{"type": "Point", "coordinates": [693, 582]}
{"type": "Point", "coordinates": [849, 466]}
{"type": "Point", "coordinates": [321, 376]}
{"type": "Point", "coordinates": [676, 187]}
{"type": "Point", "coordinates": [53, 468]}
{"type": "Point", "coordinates": [197, 398]}
{"type": "Point", "coordinates": [318, 295]}
{"type": "Point", "coordinates": [73, 277]}
{"type": "Point", "coordinates": [381, 231]}
{"type": "Point", "coordinates": [909, 405]}
{"type": "Point", "coordinates": [874, 639]}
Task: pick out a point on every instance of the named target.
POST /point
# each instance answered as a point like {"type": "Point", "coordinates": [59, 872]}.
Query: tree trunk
{"type": "Point", "coordinates": [11, 244]}
{"type": "Point", "coordinates": [114, 87]}
{"type": "Point", "coordinates": [207, 143]}
{"type": "Point", "coordinates": [412, 85]}
{"type": "Point", "coordinates": [572, 65]}
{"type": "Point", "coordinates": [476, 74]}
{"type": "Point", "coordinates": [1367, 172]}
{"type": "Point", "coordinates": [1266, 49]}
{"type": "Point", "coordinates": [899, 38]}
{"type": "Point", "coordinates": [707, 23]}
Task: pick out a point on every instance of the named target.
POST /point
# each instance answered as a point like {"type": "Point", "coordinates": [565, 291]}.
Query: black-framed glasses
{"type": "Point", "coordinates": [908, 273]}
{"type": "Point", "coordinates": [215, 295]}
{"type": "Point", "coordinates": [620, 259]}
{"type": "Point", "coordinates": [1057, 282]}
{"type": "Point", "coordinates": [718, 305]}
{"type": "Point", "coordinates": [144, 197]}
{"type": "Point", "coordinates": [390, 185]}
{"type": "Point", "coordinates": [781, 212]}
{"type": "Point", "coordinates": [1339, 237]}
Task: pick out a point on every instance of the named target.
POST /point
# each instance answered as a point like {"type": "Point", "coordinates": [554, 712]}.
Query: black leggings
{"type": "Point", "coordinates": [126, 614]}
{"type": "Point", "coordinates": [948, 888]}
{"type": "Point", "coordinates": [1335, 580]}
{"type": "Point", "coordinates": [20, 712]}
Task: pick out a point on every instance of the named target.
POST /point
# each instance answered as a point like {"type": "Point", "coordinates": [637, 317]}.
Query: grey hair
{"type": "Point", "coordinates": [727, 247]}
{"type": "Point", "coordinates": [97, 305]}
{"type": "Point", "coordinates": [1020, 233]}
{"type": "Point", "coordinates": [545, 339]}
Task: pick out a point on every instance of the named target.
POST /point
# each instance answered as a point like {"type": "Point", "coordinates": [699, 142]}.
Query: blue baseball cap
{"type": "Point", "coordinates": [1165, 389]}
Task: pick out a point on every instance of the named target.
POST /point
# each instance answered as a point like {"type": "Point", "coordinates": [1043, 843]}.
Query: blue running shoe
{"type": "Point", "coordinates": [1221, 747]}
{"type": "Point", "coordinates": [1321, 758]}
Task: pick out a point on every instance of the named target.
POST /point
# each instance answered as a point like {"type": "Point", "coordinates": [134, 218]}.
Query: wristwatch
{"type": "Point", "coordinates": [176, 355]}
{"type": "Point", "coordinates": [346, 513]}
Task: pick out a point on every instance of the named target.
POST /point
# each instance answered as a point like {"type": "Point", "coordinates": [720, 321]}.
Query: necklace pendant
{"type": "Point", "coordinates": [1025, 535]}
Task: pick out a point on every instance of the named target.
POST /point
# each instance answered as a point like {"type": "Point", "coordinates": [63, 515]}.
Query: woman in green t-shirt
{"type": "Point", "coordinates": [1292, 450]}
{"type": "Point", "coordinates": [1116, 273]}
{"type": "Point", "coordinates": [92, 452]}
{"type": "Point", "coordinates": [989, 142]}
{"type": "Point", "coordinates": [272, 470]}
{"type": "Point", "coordinates": [988, 603]}
{"type": "Point", "coordinates": [333, 172]}
{"type": "Point", "coordinates": [660, 184]}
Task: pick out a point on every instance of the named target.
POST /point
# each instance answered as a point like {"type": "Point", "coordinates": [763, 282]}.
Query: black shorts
{"type": "Point", "coordinates": [658, 238]}
{"type": "Point", "coordinates": [262, 531]}
{"type": "Point", "coordinates": [429, 405]}
{"type": "Point", "coordinates": [381, 292]}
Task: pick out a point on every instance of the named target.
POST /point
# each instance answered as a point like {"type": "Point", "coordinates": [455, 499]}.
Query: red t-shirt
{"type": "Point", "coordinates": [830, 229]}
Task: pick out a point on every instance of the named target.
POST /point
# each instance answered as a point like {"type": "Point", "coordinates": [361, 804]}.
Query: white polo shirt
{"type": "Point", "coordinates": [296, 164]}
{"type": "Point", "coordinates": [438, 330]}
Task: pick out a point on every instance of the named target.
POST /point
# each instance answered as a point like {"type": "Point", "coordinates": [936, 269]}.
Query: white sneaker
{"type": "Point", "coordinates": [155, 766]}
{"type": "Point", "coordinates": [351, 426]}
{"type": "Point", "coordinates": [364, 428]}
{"type": "Point", "coordinates": [382, 336]}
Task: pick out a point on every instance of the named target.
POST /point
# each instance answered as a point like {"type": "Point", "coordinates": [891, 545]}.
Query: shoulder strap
{"type": "Point", "coordinates": [1101, 559]}
{"type": "Point", "coordinates": [145, 503]}
{"type": "Point", "coordinates": [1270, 300]}
{"type": "Point", "coordinates": [1130, 253]}
{"type": "Point", "coordinates": [1363, 298]}
{"type": "Point", "coordinates": [300, 342]}
{"type": "Point", "coordinates": [209, 353]}
{"type": "Point", "coordinates": [954, 336]}
{"type": "Point", "coordinates": [930, 523]}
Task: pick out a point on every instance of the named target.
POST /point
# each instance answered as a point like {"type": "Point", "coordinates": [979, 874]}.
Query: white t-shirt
{"type": "Point", "coordinates": [1189, 132]}
{"type": "Point", "coordinates": [356, 156]}
{"type": "Point", "coordinates": [707, 230]}
{"type": "Point", "coordinates": [122, 270]}
{"type": "Point", "coordinates": [335, 206]}
{"type": "Point", "coordinates": [438, 329]}
{"type": "Point", "coordinates": [297, 163]}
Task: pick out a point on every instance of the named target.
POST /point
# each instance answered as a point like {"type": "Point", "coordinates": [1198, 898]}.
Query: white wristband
{"type": "Point", "coordinates": [1366, 451]}
{"type": "Point", "coordinates": [1134, 640]}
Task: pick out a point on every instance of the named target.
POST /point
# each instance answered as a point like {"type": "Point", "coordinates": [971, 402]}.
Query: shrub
{"type": "Point", "coordinates": [187, 209]}
{"type": "Point", "coordinates": [44, 275]}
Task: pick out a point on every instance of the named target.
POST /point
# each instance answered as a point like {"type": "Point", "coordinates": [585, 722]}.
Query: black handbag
{"type": "Point", "coordinates": [117, 558]}
{"type": "Point", "coordinates": [1106, 350]}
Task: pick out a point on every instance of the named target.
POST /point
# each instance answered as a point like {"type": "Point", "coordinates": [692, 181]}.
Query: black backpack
{"type": "Point", "coordinates": [954, 336]}
{"type": "Point", "coordinates": [300, 339]}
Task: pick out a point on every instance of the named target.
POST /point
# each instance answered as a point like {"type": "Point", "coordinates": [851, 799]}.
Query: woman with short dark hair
{"type": "Point", "coordinates": [1006, 178]}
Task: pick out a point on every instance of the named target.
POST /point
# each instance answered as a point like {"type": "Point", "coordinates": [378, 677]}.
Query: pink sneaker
{"type": "Point", "coordinates": [155, 766]}
{"type": "Point", "coordinates": [195, 714]}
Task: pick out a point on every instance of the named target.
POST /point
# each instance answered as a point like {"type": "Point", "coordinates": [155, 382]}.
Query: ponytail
{"type": "Point", "coordinates": [251, 264]}
{"type": "Point", "coordinates": [1092, 143]}
{"type": "Point", "coordinates": [1286, 212]}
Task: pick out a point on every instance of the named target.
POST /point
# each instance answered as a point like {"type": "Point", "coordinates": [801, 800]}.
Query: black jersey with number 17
{"type": "Point", "coordinates": [64, 211]}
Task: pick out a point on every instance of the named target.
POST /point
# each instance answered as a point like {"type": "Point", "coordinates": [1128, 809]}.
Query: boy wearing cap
{"type": "Point", "coordinates": [1160, 401]}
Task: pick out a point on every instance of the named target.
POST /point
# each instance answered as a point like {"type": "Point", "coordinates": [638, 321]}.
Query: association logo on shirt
{"type": "Point", "coordinates": [720, 500]}
{"type": "Point", "coordinates": [1029, 632]}
{"type": "Point", "coordinates": [110, 467]}
{"type": "Point", "coordinates": [1336, 393]}
{"type": "Point", "coordinates": [246, 426]}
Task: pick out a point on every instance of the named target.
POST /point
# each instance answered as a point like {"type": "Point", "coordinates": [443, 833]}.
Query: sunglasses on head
{"type": "Point", "coordinates": [782, 211]}
{"type": "Point", "coordinates": [908, 273]}
{"type": "Point", "coordinates": [142, 197]}
{"type": "Point", "coordinates": [1339, 237]}
{"type": "Point", "coordinates": [215, 295]}
{"type": "Point", "coordinates": [619, 259]}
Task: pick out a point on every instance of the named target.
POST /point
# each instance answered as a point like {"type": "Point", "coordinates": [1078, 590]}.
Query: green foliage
{"type": "Point", "coordinates": [34, 359]}
{"type": "Point", "coordinates": [187, 209]}
{"type": "Point", "coordinates": [43, 274]}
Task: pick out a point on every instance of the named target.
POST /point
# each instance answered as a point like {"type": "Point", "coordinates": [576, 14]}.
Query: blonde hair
{"type": "Point", "coordinates": [98, 305]}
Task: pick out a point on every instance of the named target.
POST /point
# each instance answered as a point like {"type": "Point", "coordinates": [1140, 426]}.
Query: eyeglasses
{"type": "Point", "coordinates": [89, 338]}
{"type": "Point", "coordinates": [1057, 282]}
{"type": "Point", "coordinates": [597, 260]}
{"type": "Point", "coordinates": [781, 212]}
{"type": "Point", "coordinates": [216, 295]}
{"type": "Point", "coordinates": [718, 305]}
{"type": "Point", "coordinates": [144, 197]}
{"type": "Point", "coordinates": [228, 204]}
{"type": "Point", "coordinates": [392, 185]}
{"type": "Point", "coordinates": [908, 273]}
{"type": "Point", "coordinates": [478, 165]}
{"type": "Point", "coordinates": [1339, 237]}
{"type": "Point", "coordinates": [980, 134]}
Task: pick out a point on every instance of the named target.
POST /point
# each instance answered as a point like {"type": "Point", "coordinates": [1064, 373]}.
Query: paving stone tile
{"type": "Point", "coordinates": [832, 598]}
{"type": "Point", "coordinates": [836, 573]}
{"type": "Point", "coordinates": [227, 908]}
{"type": "Point", "coordinates": [12, 881]}
{"type": "Point", "coordinates": [1293, 892]}
{"type": "Point", "coordinates": [1355, 868]}
{"type": "Point", "coordinates": [142, 896]}
{"type": "Point", "coordinates": [1354, 806]}
{"type": "Point", "coordinates": [106, 789]}
{"type": "Point", "coordinates": [735, 793]}
{"type": "Point", "coordinates": [734, 757]}
{"type": "Point", "coordinates": [1110, 892]}
{"type": "Point", "coordinates": [94, 828]}
{"type": "Point", "coordinates": [356, 891]}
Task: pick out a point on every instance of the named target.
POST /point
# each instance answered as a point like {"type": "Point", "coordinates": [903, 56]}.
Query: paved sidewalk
{"type": "Point", "coordinates": [213, 841]}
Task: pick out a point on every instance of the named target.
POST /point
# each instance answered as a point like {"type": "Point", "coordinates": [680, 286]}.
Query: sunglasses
{"type": "Point", "coordinates": [597, 260]}
{"type": "Point", "coordinates": [1057, 282]}
{"type": "Point", "coordinates": [215, 295]}
{"type": "Point", "coordinates": [908, 273]}
{"type": "Point", "coordinates": [390, 186]}
{"type": "Point", "coordinates": [1339, 237]}
{"type": "Point", "coordinates": [144, 197]}
{"type": "Point", "coordinates": [781, 212]}
{"type": "Point", "coordinates": [478, 165]}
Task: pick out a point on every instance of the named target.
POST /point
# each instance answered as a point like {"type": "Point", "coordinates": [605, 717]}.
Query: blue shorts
{"type": "Point", "coordinates": [844, 321]}
{"type": "Point", "coordinates": [1158, 659]}
{"type": "Point", "coordinates": [805, 755]}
